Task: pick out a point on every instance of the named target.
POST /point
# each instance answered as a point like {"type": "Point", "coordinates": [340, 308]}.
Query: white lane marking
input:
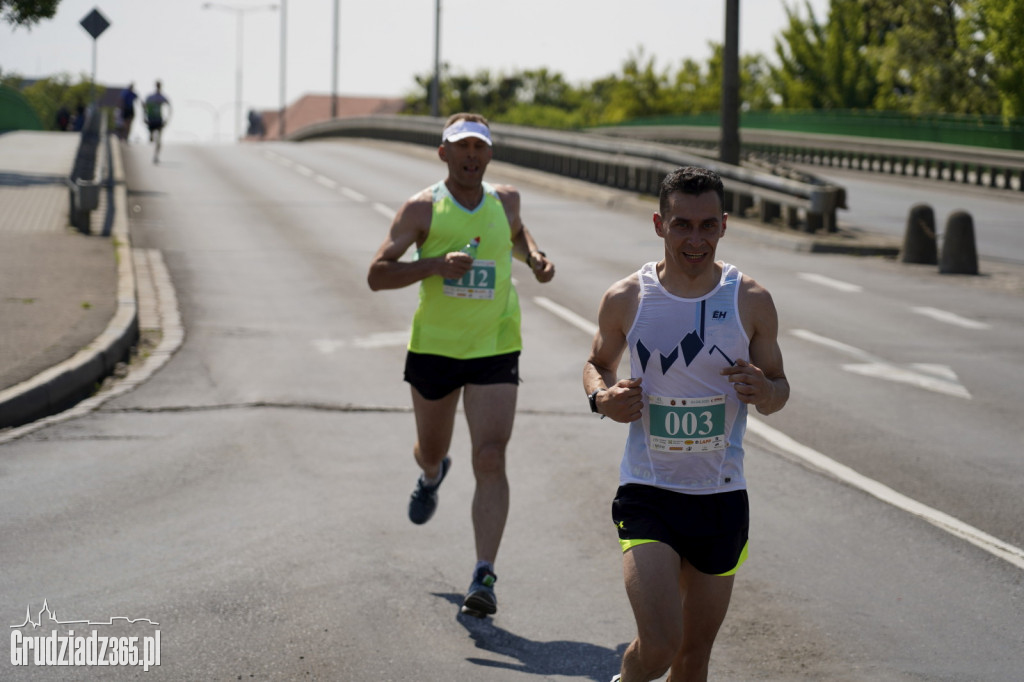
{"type": "Point", "coordinates": [347, 192]}
{"type": "Point", "coordinates": [951, 318]}
{"type": "Point", "coordinates": [832, 343]}
{"type": "Point", "coordinates": [326, 182]}
{"type": "Point", "coordinates": [812, 457]}
{"type": "Point", "coordinates": [385, 211]}
{"type": "Point", "coordinates": [371, 341]}
{"type": "Point", "coordinates": [836, 284]}
{"type": "Point", "coordinates": [352, 194]}
{"type": "Point", "coordinates": [931, 377]}
{"type": "Point", "coordinates": [883, 370]}
{"type": "Point", "coordinates": [954, 526]}
{"type": "Point", "coordinates": [566, 314]}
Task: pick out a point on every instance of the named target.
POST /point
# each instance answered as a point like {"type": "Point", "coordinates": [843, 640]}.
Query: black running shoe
{"type": "Point", "coordinates": [423, 502]}
{"type": "Point", "coordinates": [480, 600]}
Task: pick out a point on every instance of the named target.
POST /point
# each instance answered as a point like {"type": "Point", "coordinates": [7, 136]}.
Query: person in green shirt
{"type": "Point", "coordinates": [465, 339]}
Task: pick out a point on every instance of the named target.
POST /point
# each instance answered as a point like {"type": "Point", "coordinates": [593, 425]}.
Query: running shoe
{"type": "Point", "coordinates": [480, 600]}
{"type": "Point", "coordinates": [423, 502]}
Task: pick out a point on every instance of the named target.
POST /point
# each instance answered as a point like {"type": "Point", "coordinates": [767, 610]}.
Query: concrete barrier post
{"type": "Point", "coordinates": [959, 253]}
{"type": "Point", "coordinates": [770, 211]}
{"type": "Point", "coordinates": [919, 243]}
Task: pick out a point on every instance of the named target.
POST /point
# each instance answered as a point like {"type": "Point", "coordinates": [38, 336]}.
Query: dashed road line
{"type": "Point", "coordinates": [326, 182]}
{"type": "Point", "coordinates": [350, 193]}
{"type": "Point", "coordinates": [836, 284]}
{"type": "Point", "coordinates": [385, 211]}
{"type": "Point", "coordinates": [950, 318]}
{"type": "Point", "coordinates": [936, 378]}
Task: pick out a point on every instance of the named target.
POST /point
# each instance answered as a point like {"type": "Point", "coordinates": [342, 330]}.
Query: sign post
{"type": "Point", "coordinates": [94, 24]}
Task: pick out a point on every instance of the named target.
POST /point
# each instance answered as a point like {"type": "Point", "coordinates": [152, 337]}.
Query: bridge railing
{"type": "Point", "coordinates": [983, 166]}
{"type": "Point", "coordinates": [631, 165]}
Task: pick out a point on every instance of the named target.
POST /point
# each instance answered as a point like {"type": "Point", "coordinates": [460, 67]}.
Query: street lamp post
{"type": "Point", "coordinates": [240, 17]}
{"type": "Point", "coordinates": [283, 69]}
{"type": "Point", "coordinates": [729, 147]}
{"type": "Point", "coordinates": [435, 83]}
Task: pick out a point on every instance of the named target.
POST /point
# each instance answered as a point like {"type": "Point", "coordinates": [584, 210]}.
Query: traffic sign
{"type": "Point", "coordinates": [95, 23]}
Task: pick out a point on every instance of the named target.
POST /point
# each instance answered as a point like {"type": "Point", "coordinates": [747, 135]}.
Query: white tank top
{"type": "Point", "coordinates": [690, 438]}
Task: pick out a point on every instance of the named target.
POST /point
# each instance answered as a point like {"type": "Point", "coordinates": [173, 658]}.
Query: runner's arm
{"type": "Point", "coordinates": [524, 247]}
{"type": "Point", "coordinates": [621, 400]}
{"type": "Point", "coordinates": [761, 381]}
{"type": "Point", "coordinates": [410, 226]}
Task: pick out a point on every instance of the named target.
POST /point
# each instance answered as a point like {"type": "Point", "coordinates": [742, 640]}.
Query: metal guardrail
{"type": "Point", "coordinates": [631, 165]}
{"type": "Point", "coordinates": [89, 171]}
{"type": "Point", "coordinates": [983, 166]}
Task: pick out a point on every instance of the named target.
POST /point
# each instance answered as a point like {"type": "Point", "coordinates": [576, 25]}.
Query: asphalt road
{"type": "Point", "coordinates": [250, 497]}
{"type": "Point", "coordinates": [881, 203]}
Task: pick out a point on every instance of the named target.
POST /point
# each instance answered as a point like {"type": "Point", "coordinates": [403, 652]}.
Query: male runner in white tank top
{"type": "Point", "coordinates": [703, 344]}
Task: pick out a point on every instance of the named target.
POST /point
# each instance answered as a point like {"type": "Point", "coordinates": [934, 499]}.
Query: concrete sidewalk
{"type": "Point", "coordinates": [67, 300]}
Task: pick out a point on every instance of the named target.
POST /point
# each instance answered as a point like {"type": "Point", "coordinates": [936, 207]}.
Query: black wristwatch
{"type": "Point", "coordinates": [593, 399]}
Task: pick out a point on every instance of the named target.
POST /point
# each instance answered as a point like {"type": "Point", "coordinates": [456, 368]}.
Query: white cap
{"type": "Point", "coordinates": [462, 129]}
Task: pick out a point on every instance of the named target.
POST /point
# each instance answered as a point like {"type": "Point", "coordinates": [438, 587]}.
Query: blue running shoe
{"type": "Point", "coordinates": [423, 502]}
{"type": "Point", "coordinates": [480, 600]}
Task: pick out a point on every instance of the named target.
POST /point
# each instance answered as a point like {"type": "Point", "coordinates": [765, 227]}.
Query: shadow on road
{"type": "Point", "coordinates": [571, 659]}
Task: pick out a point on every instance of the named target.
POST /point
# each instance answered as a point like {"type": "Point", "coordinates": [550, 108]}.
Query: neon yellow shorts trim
{"type": "Point", "coordinates": [630, 544]}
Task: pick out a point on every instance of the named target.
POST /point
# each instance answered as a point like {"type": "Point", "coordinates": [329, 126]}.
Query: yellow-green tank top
{"type": "Point", "coordinates": [477, 316]}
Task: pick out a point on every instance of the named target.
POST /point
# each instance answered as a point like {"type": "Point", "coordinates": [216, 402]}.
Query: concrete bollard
{"type": "Point", "coordinates": [959, 253]}
{"type": "Point", "coordinates": [919, 244]}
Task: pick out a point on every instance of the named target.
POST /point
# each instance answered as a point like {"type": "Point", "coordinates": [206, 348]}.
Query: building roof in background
{"type": "Point", "coordinates": [310, 109]}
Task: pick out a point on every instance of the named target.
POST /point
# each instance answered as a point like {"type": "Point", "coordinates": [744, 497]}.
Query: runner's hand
{"type": "Point", "coordinates": [454, 265]}
{"type": "Point", "coordinates": [622, 402]}
{"type": "Point", "coordinates": [749, 382]}
{"type": "Point", "coordinates": [543, 269]}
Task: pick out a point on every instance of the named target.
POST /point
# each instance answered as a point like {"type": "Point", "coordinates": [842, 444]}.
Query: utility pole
{"type": "Point", "coordinates": [334, 62]}
{"type": "Point", "coordinates": [435, 84]}
{"type": "Point", "coordinates": [729, 145]}
{"type": "Point", "coordinates": [239, 51]}
{"type": "Point", "coordinates": [284, 66]}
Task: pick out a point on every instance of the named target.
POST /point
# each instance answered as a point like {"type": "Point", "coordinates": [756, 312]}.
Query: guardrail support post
{"type": "Point", "coordinates": [813, 222]}
{"type": "Point", "coordinates": [770, 211]}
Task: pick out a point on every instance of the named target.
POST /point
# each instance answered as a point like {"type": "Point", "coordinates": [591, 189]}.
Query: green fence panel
{"type": "Point", "coordinates": [15, 111]}
{"type": "Point", "coordinates": [974, 131]}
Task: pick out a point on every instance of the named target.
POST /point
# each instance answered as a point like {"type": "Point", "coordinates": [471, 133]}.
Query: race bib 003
{"type": "Point", "coordinates": [477, 283]}
{"type": "Point", "coordinates": [686, 424]}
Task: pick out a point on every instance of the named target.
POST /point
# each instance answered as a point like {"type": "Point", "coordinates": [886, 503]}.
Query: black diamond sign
{"type": "Point", "coordinates": [95, 23]}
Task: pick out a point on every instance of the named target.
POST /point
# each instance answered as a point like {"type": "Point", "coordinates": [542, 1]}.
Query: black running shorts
{"type": "Point", "coordinates": [435, 376]}
{"type": "Point", "coordinates": [709, 531]}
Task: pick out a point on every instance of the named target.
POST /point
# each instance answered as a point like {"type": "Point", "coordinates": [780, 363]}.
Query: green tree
{"type": "Point", "coordinates": [49, 94]}
{"type": "Point", "coordinates": [826, 65]}
{"type": "Point", "coordinates": [927, 63]}
{"type": "Point", "coordinates": [27, 12]}
{"type": "Point", "coordinates": [996, 28]}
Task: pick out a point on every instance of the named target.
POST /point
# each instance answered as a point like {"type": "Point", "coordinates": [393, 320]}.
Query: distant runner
{"type": "Point", "coordinates": [154, 106]}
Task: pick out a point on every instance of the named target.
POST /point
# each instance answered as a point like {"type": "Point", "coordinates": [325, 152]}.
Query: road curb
{"type": "Point", "coordinates": [67, 383]}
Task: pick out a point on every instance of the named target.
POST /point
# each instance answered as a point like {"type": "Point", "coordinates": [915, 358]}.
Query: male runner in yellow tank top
{"type": "Point", "coordinates": [465, 333]}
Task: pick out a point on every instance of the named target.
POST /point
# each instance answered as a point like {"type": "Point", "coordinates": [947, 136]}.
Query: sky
{"type": "Point", "coordinates": [382, 45]}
